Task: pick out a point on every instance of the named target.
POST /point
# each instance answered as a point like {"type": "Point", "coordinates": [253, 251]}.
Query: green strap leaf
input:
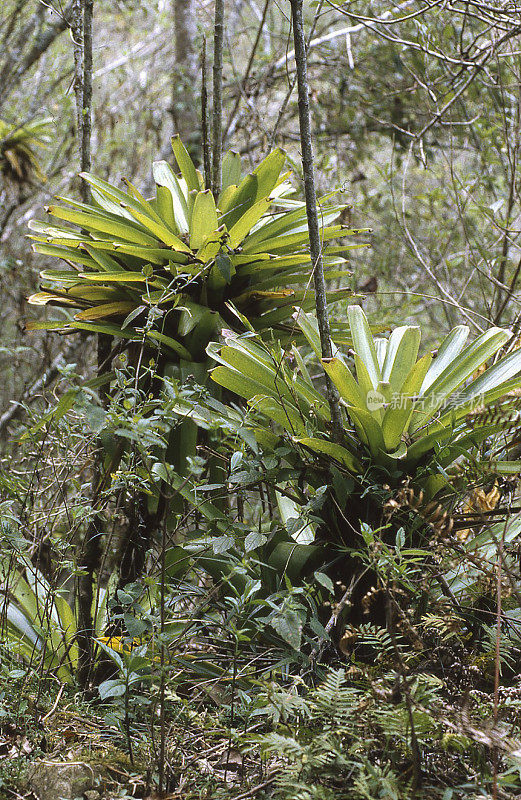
{"type": "Point", "coordinates": [165, 177]}
{"type": "Point", "coordinates": [102, 224]}
{"type": "Point", "coordinates": [231, 170]}
{"type": "Point", "coordinates": [332, 450]}
{"type": "Point", "coordinates": [398, 415]}
{"type": "Point", "coordinates": [402, 351]}
{"type": "Point", "coordinates": [449, 349]}
{"type": "Point", "coordinates": [344, 381]}
{"type": "Point", "coordinates": [185, 163]}
{"type": "Point", "coordinates": [458, 371]}
{"type": "Point", "coordinates": [204, 219]}
{"type": "Point", "coordinates": [363, 343]}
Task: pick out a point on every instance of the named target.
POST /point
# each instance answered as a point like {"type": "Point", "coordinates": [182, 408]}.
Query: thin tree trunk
{"type": "Point", "coordinates": [311, 209]}
{"type": "Point", "coordinates": [90, 555]}
{"type": "Point", "coordinates": [217, 132]}
{"type": "Point", "coordinates": [77, 49]}
{"type": "Point", "coordinates": [86, 133]}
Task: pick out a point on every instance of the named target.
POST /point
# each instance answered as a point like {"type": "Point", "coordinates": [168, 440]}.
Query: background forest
{"type": "Point", "coordinates": [259, 416]}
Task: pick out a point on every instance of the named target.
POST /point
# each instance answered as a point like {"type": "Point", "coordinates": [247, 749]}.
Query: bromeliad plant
{"type": "Point", "coordinates": [38, 621]}
{"type": "Point", "coordinates": [19, 159]}
{"type": "Point", "coordinates": [172, 270]}
{"type": "Point", "coordinates": [399, 411]}
{"type": "Point", "coordinates": [412, 427]}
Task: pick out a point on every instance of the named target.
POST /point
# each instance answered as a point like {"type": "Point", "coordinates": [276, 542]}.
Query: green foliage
{"type": "Point", "coordinates": [19, 160]}
{"type": "Point", "coordinates": [174, 269]}
{"type": "Point", "coordinates": [402, 410]}
{"type": "Point", "coordinates": [40, 621]}
{"type": "Point", "coordinates": [351, 739]}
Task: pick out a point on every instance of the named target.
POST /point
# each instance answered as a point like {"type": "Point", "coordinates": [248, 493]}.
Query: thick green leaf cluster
{"type": "Point", "coordinates": [18, 154]}
{"type": "Point", "coordinates": [39, 620]}
{"type": "Point", "coordinates": [172, 268]}
{"type": "Point", "coordinates": [402, 408]}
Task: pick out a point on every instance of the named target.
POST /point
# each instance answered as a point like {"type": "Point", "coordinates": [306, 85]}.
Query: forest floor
{"type": "Point", "coordinates": [55, 745]}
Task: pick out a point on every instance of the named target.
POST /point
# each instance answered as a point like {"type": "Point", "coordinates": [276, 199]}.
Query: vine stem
{"type": "Point", "coordinates": [311, 210]}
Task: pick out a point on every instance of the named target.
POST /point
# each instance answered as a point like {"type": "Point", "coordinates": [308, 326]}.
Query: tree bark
{"type": "Point", "coordinates": [81, 27]}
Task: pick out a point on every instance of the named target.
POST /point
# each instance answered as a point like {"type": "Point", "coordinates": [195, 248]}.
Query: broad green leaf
{"type": "Point", "coordinates": [103, 203]}
{"type": "Point", "coordinates": [101, 224]}
{"type": "Point", "coordinates": [364, 380]}
{"type": "Point", "coordinates": [398, 415]}
{"type": "Point", "coordinates": [369, 430]}
{"type": "Point", "coordinates": [294, 560]}
{"type": "Point", "coordinates": [165, 207]}
{"type": "Point", "coordinates": [204, 219]}
{"type": "Point", "coordinates": [149, 255]}
{"type": "Point", "coordinates": [293, 241]}
{"type": "Point", "coordinates": [141, 204]}
{"type": "Point", "coordinates": [333, 450]}
{"type": "Point", "coordinates": [448, 351]}
{"type": "Point", "coordinates": [116, 197]}
{"type": "Point", "coordinates": [268, 171]}
{"type": "Point", "coordinates": [283, 412]}
{"type": "Point", "coordinates": [106, 310]}
{"type": "Point", "coordinates": [344, 381]}
{"type": "Point", "coordinates": [185, 163]}
{"type": "Point", "coordinates": [236, 202]}
{"type": "Point", "coordinates": [165, 177]}
{"type": "Point", "coordinates": [120, 277]}
{"type": "Point", "coordinates": [235, 381]}
{"type": "Point", "coordinates": [65, 253]}
{"type": "Point", "coordinates": [170, 342]}
{"type": "Point", "coordinates": [91, 293]}
{"type": "Point", "coordinates": [506, 467]}
{"type": "Point", "coordinates": [224, 265]}
{"type": "Point", "coordinates": [309, 327]}
{"type": "Point", "coordinates": [363, 343]}
{"type": "Point", "coordinates": [190, 316]}
{"type": "Point", "coordinates": [495, 376]}
{"type": "Point", "coordinates": [226, 198]}
{"type": "Point", "coordinates": [60, 276]}
{"type": "Point", "coordinates": [380, 345]}
{"type": "Point", "coordinates": [42, 298]}
{"type": "Point", "coordinates": [459, 370]}
{"type": "Point", "coordinates": [280, 222]}
{"type": "Point", "coordinates": [402, 351]}
{"type": "Point", "coordinates": [104, 261]}
{"type": "Point", "coordinates": [106, 327]}
{"type": "Point", "coordinates": [290, 511]}
{"type": "Point", "coordinates": [34, 325]}
{"type": "Point", "coordinates": [160, 230]}
{"type": "Point", "coordinates": [231, 169]}
{"type": "Point", "coordinates": [273, 382]}
{"type": "Point", "coordinates": [243, 226]}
